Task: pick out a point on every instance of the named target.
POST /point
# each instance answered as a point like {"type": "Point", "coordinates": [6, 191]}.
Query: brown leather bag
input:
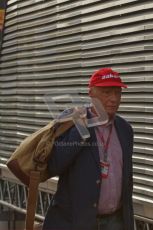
{"type": "Point", "coordinates": [33, 153]}
{"type": "Point", "coordinates": [29, 162]}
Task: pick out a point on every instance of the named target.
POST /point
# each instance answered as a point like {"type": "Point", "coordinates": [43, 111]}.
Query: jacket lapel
{"type": "Point", "coordinates": [94, 144]}
{"type": "Point", "coordinates": [122, 139]}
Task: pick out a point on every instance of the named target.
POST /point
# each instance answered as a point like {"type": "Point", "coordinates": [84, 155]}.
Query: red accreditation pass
{"type": "Point", "coordinates": [104, 169]}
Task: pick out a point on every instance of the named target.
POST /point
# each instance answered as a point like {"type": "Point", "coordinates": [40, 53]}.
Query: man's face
{"type": "Point", "coordinates": [110, 98]}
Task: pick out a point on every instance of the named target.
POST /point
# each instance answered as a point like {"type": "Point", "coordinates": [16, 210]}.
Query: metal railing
{"type": "Point", "coordinates": [13, 194]}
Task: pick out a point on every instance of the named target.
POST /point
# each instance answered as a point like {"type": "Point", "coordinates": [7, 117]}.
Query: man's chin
{"type": "Point", "coordinates": [111, 115]}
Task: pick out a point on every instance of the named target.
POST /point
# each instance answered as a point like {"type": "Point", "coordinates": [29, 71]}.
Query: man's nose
{"type": "Point", "coordinates": [114, 96]}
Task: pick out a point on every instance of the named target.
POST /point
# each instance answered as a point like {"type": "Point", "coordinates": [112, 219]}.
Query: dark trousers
{"type": "Point", "coordinates": [110, 222]}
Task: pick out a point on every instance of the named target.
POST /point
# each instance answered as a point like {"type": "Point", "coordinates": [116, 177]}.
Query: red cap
{"type": "Point", "coordinates": [106, 77]}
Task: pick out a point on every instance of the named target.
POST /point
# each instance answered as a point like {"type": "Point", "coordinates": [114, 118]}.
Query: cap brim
{"type": "Point", "coordinates": [109, 84]}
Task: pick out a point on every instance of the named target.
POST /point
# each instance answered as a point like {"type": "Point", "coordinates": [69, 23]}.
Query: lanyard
{"type": "Point", "coordinates": [106, 144]}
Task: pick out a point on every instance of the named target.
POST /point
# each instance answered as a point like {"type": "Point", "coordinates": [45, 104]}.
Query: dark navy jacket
{"type": "Point", "coordinates": [74, 206]}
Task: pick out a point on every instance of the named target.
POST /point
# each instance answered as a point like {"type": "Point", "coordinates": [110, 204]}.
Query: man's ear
{"type": "Point", "coordinates": [90, 92]}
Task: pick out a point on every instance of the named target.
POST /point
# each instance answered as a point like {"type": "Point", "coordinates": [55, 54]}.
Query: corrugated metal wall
{"type": "Point", "coordinates": [53, 46]}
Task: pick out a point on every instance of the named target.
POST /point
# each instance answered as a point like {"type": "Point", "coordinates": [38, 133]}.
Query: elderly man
{"type": "Point", "coordinates": [95, 175]}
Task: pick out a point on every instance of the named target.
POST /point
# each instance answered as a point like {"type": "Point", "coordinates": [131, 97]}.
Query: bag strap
{"type": "Point", "coordinates": [32, 199]}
